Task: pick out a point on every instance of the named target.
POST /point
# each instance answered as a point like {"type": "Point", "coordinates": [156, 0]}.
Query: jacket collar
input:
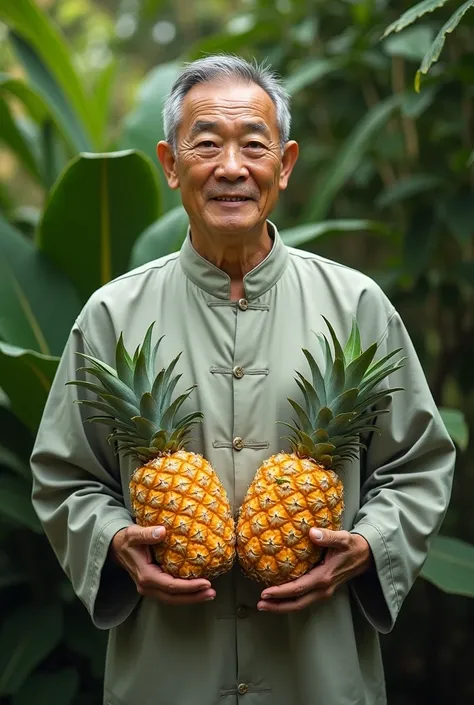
{"type": "Point", "coordinates": [216, 282]}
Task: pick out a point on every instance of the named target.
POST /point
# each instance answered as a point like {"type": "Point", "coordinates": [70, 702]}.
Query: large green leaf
{"type": "Point", "coordinates": [29, 20]}
{"type": "Point", "coordinates": [29, 633]}
{"type": "Point", "coordinates": [15, 502]}
{"type": "Point", "coordinates": [413, 14]}
{"type": "Point", "coordinates": [43, 81]}
{"type": "Point", "coordinates": [302, 234]}
{"type": "Point", "coordinates": [45, 688]}
{"type": "Point", "coordinates": [34, 104]}
{"type": "Point", "coordinates": [96, 211]}
{"type": "Point", "coordinates": [38, 305]}
{"type": "Point", "coordinates": [26, 377]}
{"type": "Point", "coordinates": [311, 71]}
{"type": "Point", "coordinates": [456, 425]}
{"type": "Point", "coordinates": [143, 126]}
{"type": "Point", "coordinates": [349, 157]}
{"type": "Point", "coordinates": [164, 236]}
{"type": "Point", "coordinates": [13, 137]}
{"type": "Point", "coordinates": [450, 566]}
{"type": "Point", "coordinates": [434, 51]}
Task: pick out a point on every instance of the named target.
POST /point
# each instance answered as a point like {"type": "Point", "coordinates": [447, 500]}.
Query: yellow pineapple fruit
{"type": "Point", "coordinates": [293, 492]}
{"type": "Point", "coordinates": [172, 486]}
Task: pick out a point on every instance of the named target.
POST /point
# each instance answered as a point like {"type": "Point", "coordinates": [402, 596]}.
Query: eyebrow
{"type": "Point", "coordinates": [211, 125]}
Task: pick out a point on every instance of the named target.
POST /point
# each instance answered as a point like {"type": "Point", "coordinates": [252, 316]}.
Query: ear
{"type": "Point", "coordinates": [165, 154]}
{"type": "Point", "coordinates": [288, 160]}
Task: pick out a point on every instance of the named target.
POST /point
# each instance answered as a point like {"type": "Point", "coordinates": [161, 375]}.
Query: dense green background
{"type": "Point", "coordinates": [384, 183]}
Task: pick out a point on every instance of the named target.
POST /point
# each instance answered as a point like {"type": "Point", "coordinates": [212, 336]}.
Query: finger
{"type": "Point", "coordinates": [286, 606]}
{"type": "Point", "coordinates": [318, 578]}
{"type": "Point", "coordinates": [192, 599]}
{"type": "Point", "coordinates": [331, 539]}
{"type": "Point", "coordinates": [139, 535]}
{"type": "Point", "coordinates": [172, 586]}
{"type": "Point", "coordinates": [293, 589]}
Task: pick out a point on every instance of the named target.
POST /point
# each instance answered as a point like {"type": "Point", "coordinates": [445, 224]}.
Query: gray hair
{"type": "Point", "coordinates": [225, 66]}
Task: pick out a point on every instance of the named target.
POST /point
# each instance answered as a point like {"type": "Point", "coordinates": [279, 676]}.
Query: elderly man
{"type": "Point", "coordinates": [241, 306]}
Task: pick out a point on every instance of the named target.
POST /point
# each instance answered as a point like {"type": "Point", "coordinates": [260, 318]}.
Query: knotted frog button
{"type": "Point", "coordinates": [238, 372]}
{"type": "Point", "coordinates": [243, 304]}
{"type": "Point", "coordinates": [242, 688]}
{"type": "Point", "coordinates": [238, 443]}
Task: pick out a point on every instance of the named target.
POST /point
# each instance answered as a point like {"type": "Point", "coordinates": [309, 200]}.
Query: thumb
{"type": "Point", "coordinates": [147, 535]}
{"type": "Point", "coordinates": [327, 538]}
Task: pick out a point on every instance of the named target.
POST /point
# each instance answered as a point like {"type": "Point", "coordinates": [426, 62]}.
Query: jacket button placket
{"type": "Point", "coordinates": [247, 428]}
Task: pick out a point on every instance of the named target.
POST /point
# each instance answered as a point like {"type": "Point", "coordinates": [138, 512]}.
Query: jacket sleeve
{"type": "Point", "coordinates": [77, 494]}
{"type": "Point", "coordinates": [406, 487]}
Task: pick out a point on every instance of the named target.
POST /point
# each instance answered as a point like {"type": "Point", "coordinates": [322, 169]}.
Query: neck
{"type": "Point", "coordinates": [236, 255]}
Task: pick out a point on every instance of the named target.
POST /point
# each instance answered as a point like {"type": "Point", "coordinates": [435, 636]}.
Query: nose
{"type": "Point", "coordinates": [231, 165]}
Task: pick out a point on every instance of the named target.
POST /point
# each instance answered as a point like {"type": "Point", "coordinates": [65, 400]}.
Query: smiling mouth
{"type": "Point", "coordinates": [231, 199]}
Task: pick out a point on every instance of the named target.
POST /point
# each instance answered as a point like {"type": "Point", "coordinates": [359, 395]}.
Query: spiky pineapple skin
{"type": "Point", "coordinates": [183, 493]}
{"type": "Point", "coordinates": [288, 496]}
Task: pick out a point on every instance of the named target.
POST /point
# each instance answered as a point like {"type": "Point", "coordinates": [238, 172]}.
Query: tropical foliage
{"type": "Point", "coordinates": [383, 184]}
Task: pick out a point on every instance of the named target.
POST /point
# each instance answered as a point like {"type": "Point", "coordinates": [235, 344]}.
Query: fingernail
{"type": "Point", "coordinates": [317, 534]}
{"type": "Point", "coordinates": [208, 599]}
{"type": "Point", "coordinates": [265, 595]}
{"type": "Point", "coordinates": [262, 609]}
{"type": "Point", "coordinates": [158, 532]}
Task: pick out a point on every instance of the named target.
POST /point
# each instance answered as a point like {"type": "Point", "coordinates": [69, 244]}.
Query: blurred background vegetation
{"type": "Point", "coordinates": [384, 183]}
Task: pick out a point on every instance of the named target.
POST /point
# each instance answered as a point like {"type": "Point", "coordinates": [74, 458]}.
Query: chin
{"type": "Point", "coordinates": [236, 224]}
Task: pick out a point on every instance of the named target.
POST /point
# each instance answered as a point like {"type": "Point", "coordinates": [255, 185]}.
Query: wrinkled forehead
{"type": "Point", "coordinates": [220, 105]}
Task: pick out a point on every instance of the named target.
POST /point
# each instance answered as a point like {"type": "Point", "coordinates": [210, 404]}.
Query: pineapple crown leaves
{"type": "Point", "coordinates": [338, 404]}
{"type": "Point", "coordinates": [136, 404]}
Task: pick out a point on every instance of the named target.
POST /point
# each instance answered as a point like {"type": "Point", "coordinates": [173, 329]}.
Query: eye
{"type": "Point", "coordinates": [253, 144]}
{"type": "Point", "coordinates": [207, 144]}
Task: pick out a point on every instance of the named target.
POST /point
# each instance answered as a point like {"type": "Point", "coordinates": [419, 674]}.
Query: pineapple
{"type": "Point", "coordinates": [172, 486]}
{"type": "Point", "coordinates": [292, 492]}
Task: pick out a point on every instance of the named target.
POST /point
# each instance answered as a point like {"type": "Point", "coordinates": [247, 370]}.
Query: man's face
{"type": "Point", "coordinates": [228, 146]}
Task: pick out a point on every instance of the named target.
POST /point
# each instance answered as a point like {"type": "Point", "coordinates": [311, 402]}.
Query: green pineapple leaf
{"type": "Point", "coordinates": [123, 363]}
{"type": "Point", "coordinates": [358, 367]}
{"type": "Point", "coordinates": [302, 415]}
{"type": "Point", "coordinates": [100, 405]}
{"type": "Point", "coordinates": [339, 406]}
{"type": "Point", "coordinates": [318, 380]}
{"type": "Point", "coordinates": [353, 347]}
{"type": "Point", "coordinates": [338, 351]}
{"type": "Point", "coordinates": [314, 404]}
{"type": "Point", "coordinates": [112, 384]}
{"type": "Point", "coordinates": [149, 409]}
{"type": "Point", "coordinates": [146, 429]}
{"type": "Point", "coordinates": [141, 381]}
{"type": "Point", "coordinates": [324, 418]}
{"type": "Point", "coordinates": [337, 379]}
{"type": "Point", "coordinates": [328, 361]}
{"type": "Point", "coordinates": [345, 402]}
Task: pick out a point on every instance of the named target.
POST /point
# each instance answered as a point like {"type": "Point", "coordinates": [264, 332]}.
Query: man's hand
{"type": "Point", "coordinates": [348, 555]}
{"type": "Point", "coordinates": [130, 548]}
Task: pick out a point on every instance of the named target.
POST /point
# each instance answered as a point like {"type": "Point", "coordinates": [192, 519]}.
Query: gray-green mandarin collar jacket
{"type": "Point", "coordinates": [225, 652]}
